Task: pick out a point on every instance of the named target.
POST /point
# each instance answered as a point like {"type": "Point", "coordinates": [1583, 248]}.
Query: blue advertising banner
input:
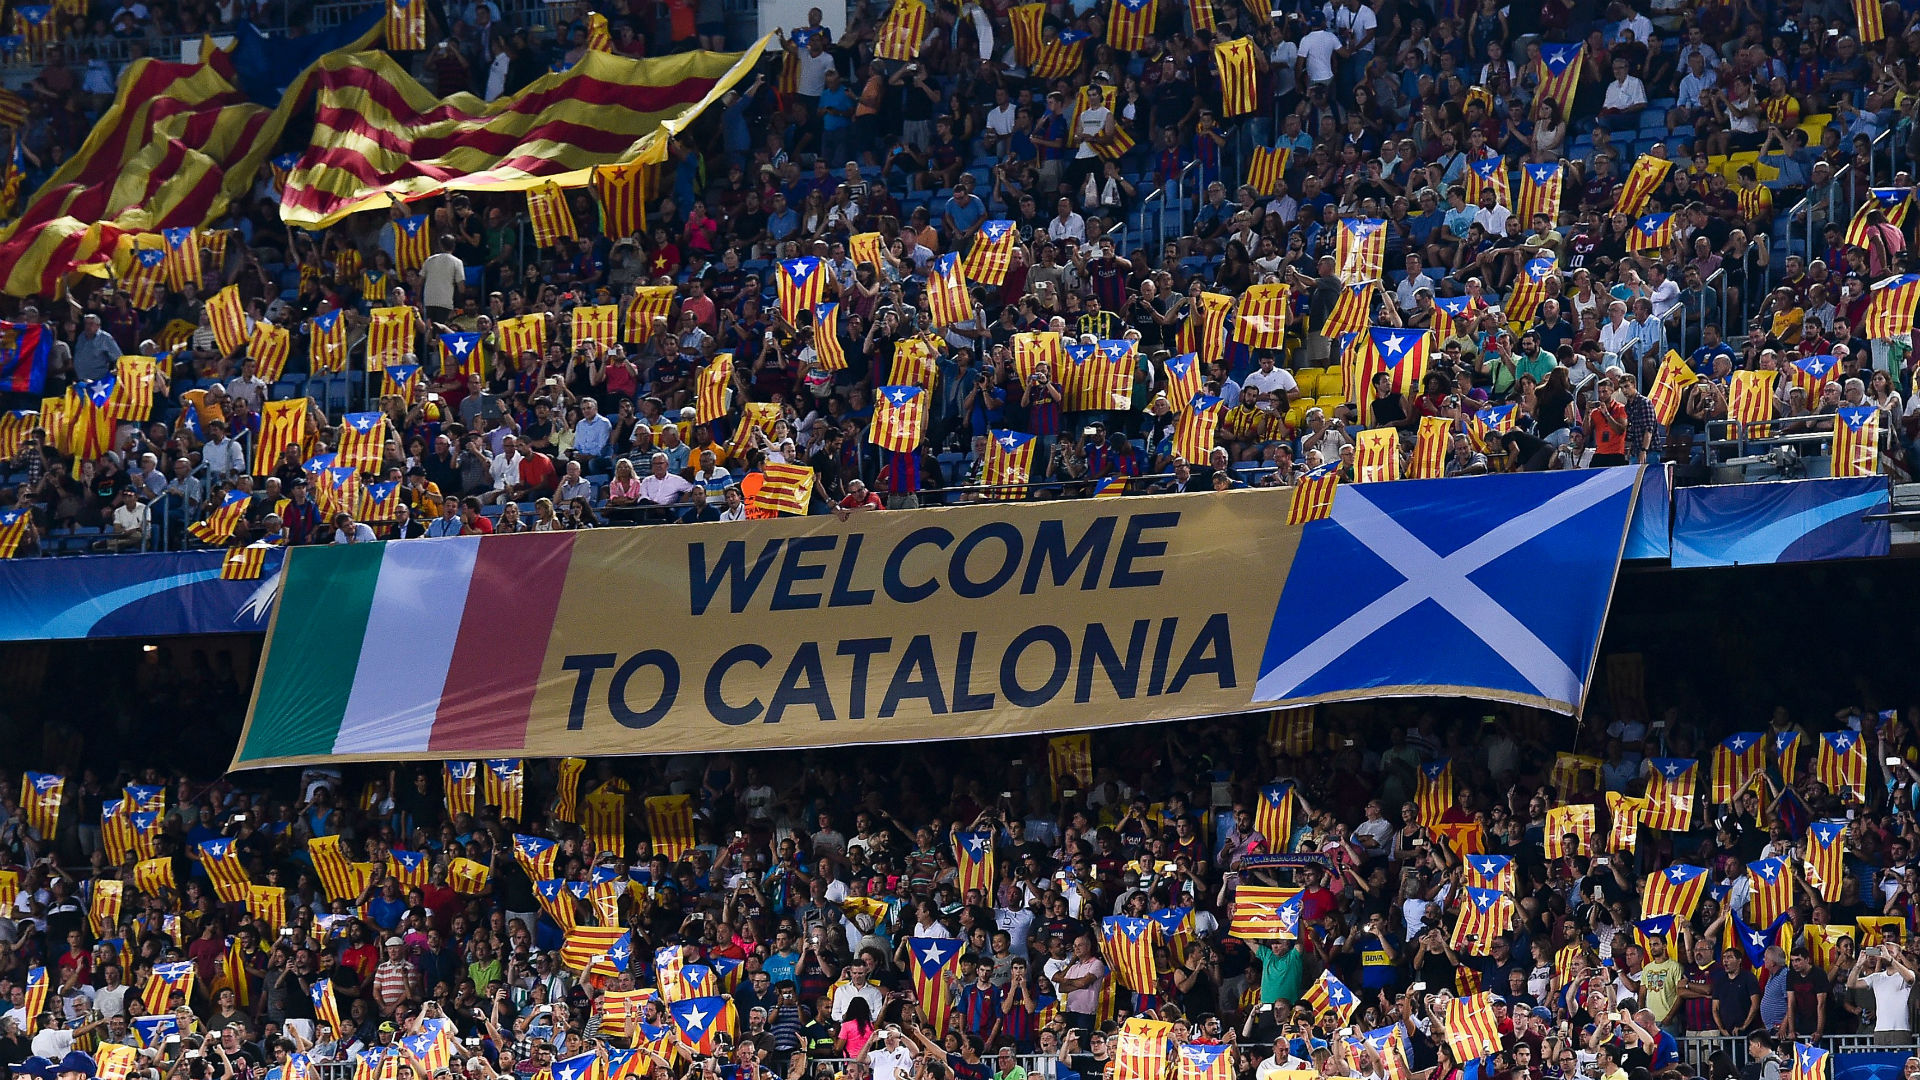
{"type": "Point", "coordinates": [1780, 521]}
{"type": "Point", "coordinates": [155, 595]}
{"type": "Point", "coordinates": [1648, 536]}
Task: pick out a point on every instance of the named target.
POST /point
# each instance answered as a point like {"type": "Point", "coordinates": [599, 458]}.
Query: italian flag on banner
{"type": "Point", "coordinates": [377, 650]}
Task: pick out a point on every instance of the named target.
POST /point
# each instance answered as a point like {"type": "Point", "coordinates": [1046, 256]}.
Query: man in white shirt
{"type": "Point", "coordinates": [442, 276]}
{"type": "Point", "coordinates": [222, 456]}
{"type": "Point", "coordinates": [1319, 47]}
{"type": "Point", "coordinates": [1881, 969]}
{"type": "Point", "coordinates": [663, 488]}
{"type": "Point", "coordinates": [504, 469]}
{"type": "Point", "coordinates": [1626, 96]}
{"type": "Point", "coordinates": [1272, 388]}
{"type": "Point", "coordinates": [1616, 334]}
{"type": "Point", "coordinates": [1492, 216]}
{"type": "Point", "coordinates": [893, 1059]}
{"type": "Point", "coordinates": [1000, 117]}
{"type": "Point", "coordinates": [348, 531]}
{"type": "Point", "coordinates": [1067, 225]}
{"type": "Point", "coordinates": [856, 986]}
{"type": "Point", "coordinates": [248, 386]}
{"type": "Point", "coordinates": [1415, 280]}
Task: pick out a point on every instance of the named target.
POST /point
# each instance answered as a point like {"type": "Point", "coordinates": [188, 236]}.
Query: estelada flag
{"type": "Point", "coordinates": [899, 417]}
{"type": "Point", "coordinates": [1260, 322]}
{"type": "Point", "coordinates": [1312, 498]}
{"type": "Point", "coordinates": [1376, 456]}
{"type": "Point", "coordinates": [1540, 191]}
{"type": "Point", "coordinates": [218, 526]}
{"type": "Point", "coordinates": [146, 270]}
{"type": "Point", "coordinates": [1264, 912]}
{"type": "Point", "coordinates": [227, 318]}
{"type": "Point", "coordinates": [462, 353]}
{"type": "Point", "coordinates": [901, 33]}
{"type": "Point", "coordinates": [1674, 891]}
{"type": "Point", "coordinates": [269, 348]}
{"type": "Point", "coordinates": [702, 1021]}
{"type": "Point", "coordinates": [1484, 915]}
{"type": "Point", "coordinates": [558, 902]}
{"type": "Point", "coordinates": [1007, 463]}
{"type": "Point", "coordinates": [1266, 167]}
{"type": "Point", "coordinates": [460, 780]}
{"type": "Point", "coordinates": [536, 854]}
{"type": "Point", "coordinates": [788, 488]}
{"type": "Point", "coordinates": [1290, 732]}
{"type": "Point", "coordinates": [327, 344]}
{"type": "Point", "coordinates": [670, 824]}
{"type": "Point", "coordinates": [1129, 22]}
{"type": "Point", "coordinates": [1433, 790]}
{"type": "Point", "coordinates": [1890, 306]}
{"type": "Point", "coordinates": [1430, 446]}
{"type": "Point", "coordinates": [827, 347]}
{"type": "Point", "coordinates": [948, 301]}
{"type": "Point", "coordinates": [1856, 441]}
{"type": "Point", "coordinates": [363, 442]}
{"type": "Point", "coordinates": [390, 332]}
{"type": "Point", "coordinates": [1573, 821]}
{"type": "Point", "coordinates": [401, 380]}
{"type": "Point", "coordinates": [1826, 854]}
{"type": "Point", "coordinates": [1140, 1047]}
{"type": "Point", "coordinates": [244, 563]}
{"type": "Point", "coordinates": [1472, 1030]}
{"type": "Point", "coordinates": [409, 868]}
{"type": "Point", "coordinates": [801, 284]}
{"type": "Point", "coordinates": [549, 214]}
{"type": "Point", "coordinates": [183, 257]}
{"type": "Point", "coordinates": [1184, 380]}
{"type": "Point", "coordinates": [1736, 759]}
{"type": "Point", "coordinates": [406, 25]}
{"type": "Point", "coordinates": [1177, 927]}
{"type": "Point", "coordinates": [34, 1002]}
{"type": "Point", "coordinates": [1238, 64]}
{"type": "Point", "coordinates": [1809, 1061]}
{"type": "Point", "coordinates": [166, 981]}
{"type": "Point", "coordinates": [1360, 250]}
{"type": "Point", "coordinates": [1559, 77]}
{"type": "Point", "coordinates": [282, 424]}
{"type": "Point", "coordinates": [931, 962]}
{"type": "Point", "coordinates": [1486, 174]}
{"type": "Point", "coordinates": [1811, 373]}
{"type": "Point", "coordinates": [866, 247]}
{"type": "Point", "coordinates": [992, 251]}
{"type": "Point", "coordinates": [1841, 762]}
{"type": "Point", "coordinates": [1204, 330]}
{"type": "Point", "coordinates": [134, 379]}
{"type": "Point", "coordinates": [1771, 889]}
{"type": "Point", "coordinates": [1031, 350]}
{"type": "Point", "coordinates": [621, 191]}
{"type": "Point", "coordinates": [596, 323]}
{"type": "Point", "coordinates": [1193, 430]}
{"type": "Point", "coordinates": [1127, 945]}
{"type": "Point", "coordinates": [1669, 386]}
{"type": "Point", "coordinates": [1204, 1061]}
{"type": "Point", "coordinates": [1273, 815]}
{"type": "Point", "coordinates": [646, 308]}
{"type": "Point", "coordinates": [1327, 995]}
{"type": "Point", "coordinates": [1529, 290]}
{"type": "Point", "coordinates": [522, 334]}
{"type": "Point", "coordinates": [412, 241]}
{"type": "Point", "coordinates": [1489, 872]}
{"type": "Point", "coordinates": [1650, 232]}
{"type": "Point", "coordinates": [469, 878]}
{"type": "Point", "coordinates": [713, 389]}
{"type": "Point", "coordinates": [1645, 178]}
{"type": "Point", "coordinates": [1894, 202]}
{"type": "Point", "coordinates": [1352, 310]}
{"type": "Point", "coordinates": [1671, 783]}
{"type": "Point", "coordinates": [1750, 396]}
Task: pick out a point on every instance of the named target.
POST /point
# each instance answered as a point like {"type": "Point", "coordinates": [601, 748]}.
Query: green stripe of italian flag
{"type": "Point", "coordinates": [410, 647]}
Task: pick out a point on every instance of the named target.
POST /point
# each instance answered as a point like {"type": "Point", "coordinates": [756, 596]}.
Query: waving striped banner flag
{"type": "Point", "coordinates": [1809, 1061]}
{"type": "Point", "coordinates": [1472, 1029]}
{"type": "Point", "coordinates": [1028, 24]}
{"type": "Point", "coordinates": [1328, 994]}
{"type": "Point", "coordinates": [713, 389]}
{"type": "Point", "coordinates": [406, 25]}
{"type": "Point", "coordinates": [597, 323]}
{"type": "Point", "coordinates": [1204, 1061]}
{"type": "Point", "coordinates": [1869, 17]}
{"type": "Point", "coordinates": [670, 825]}
{"type": "Point", "coordinates": [948, 301]}
{"type": "Point", "coordinates": [536, 854]}
{"type": "Point", "coordinates": [899, 417]}
{"type": "Point", "coordinates": [390, 333]}
{"type": "Point", "coordinates": [1669, 387]}
{"type": "Point", "coordinates": [1031, 349]}
{"type": "Point", "coordinates": [801, 285]}
{"type": "Point", "coordinates": [1061, 54]}
{"type": "Point", "coordinates": [1266, 167]}
{"type": "Point", "coordinates": [1674, 891]}
{"type": "Point", "coordinates": [1825, 857]}
{"type": "Point", "coordinates": [902, 32]}
{"type": "Point", "coordinates": [827, 347]}
{"type": "Point", "coordinates": [1486, 174]}
{"type": "Point", "coordinates": [867, 247]}
{"type": "Point", "coordinates": [1398, 352]}
{"type": "Point", "coordinates": [788, 489]}
{"type": "Point", "coordinates": [327, 343]}
{"type": "Point", "coordinates": [363, 441]}
{"type": "Point", "coordinates": [1573, 822]}
{"type": "Point", "coordinates": [227, 318]}
{"type": "Point", "coordinates": [647, 306]}
{"type": "Point", "coordinates": [1129, 22]}
{"type": "Point", "coordinates": [1360, 250]}
{"type": "Point", "coordinates": [1007, 460]}
{"type": "Point", "coordinates": [1485, 915]}
{"type": "Point", "coordinates": [331, 864]}
{"type": "Point", "coordinates": [1841, 762]}
{"type": "Point", "coordinates": [1894, 202]}
{"type": "Point", "coordinates": [1177, 928]}
{"type": "Point", "coordinates": [992, 251]}
{"type": "Point", "coordinates": [103, 906]}
{"type": "Point", "coordinates": [1890, 307]}
{"type": "Point", "coordinates": [1812, 373]}
{"type": "Point", "coordinates": [1205, 328]}
{"type": "Point", "coordinates": [1312, 498]}
{"type": "Point", "coordinates": [1494, 872]}
{"type": "Point", "coordinates": [269, 348]}
{"type": "Point", "coordinates": [621, 191]}
{"type": "Point", "coordinates": [1645, 178]}
{"type": "Point", "coordinates": [166, 981]}
{"type": "Point", "coordinates": [1260, 321]}
{"type": "Point", "coordinates": [1193, 430]}
{"type": "Point", "coordinates": [410, 868]}
{"type": "Point", "coordinates": [461, 781]}
{"type": "Point", "coordinates": [1671, 783]}
{"type": "Point", "coordinates": [183, 257]}
{"type": "Point", "coordinates": [146, 270]}
{"type": "Point", "coordinates": [1559, 77]}
{"type": "Point", "coordinates": [1750, 396]}
{"type": "Point", "coordinates": [468, 877]}
{"type": "Point", "coordinates": [221, 860]}
{"type": "Point", "coordinates": [1352, 310]}
{"type": "Point", "coordinates": [116, 830]}
{"type": "Point", "coordinates": [1856, 441]}
{"type": "Point", "coordinates": [1529, 290]}
{"type": "Point", "coordinates": [1238, 63]}
{"type": "Point", "coordinates": [1651, 232]}
{"type": "Point", "coordinates": [558, 902]}
{"type": "Point", "coordinates": [1127, 945]}
{"type": "Point", "coordinates": [1184, 380]}
{"type": "Point", "coordinates": [219, 524]}
{"type": "Point", "coordinates": [585, 944]}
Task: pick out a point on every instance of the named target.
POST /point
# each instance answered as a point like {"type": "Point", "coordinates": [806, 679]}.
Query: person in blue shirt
{"type": "Point", "coordinates": [836, 120]}
{"type": "Point", "coordinates": [1710, 346]}
{"type": "Point", "coordinates": [783, 222]}
{"type": "Point", "coordinates": [963, 214]}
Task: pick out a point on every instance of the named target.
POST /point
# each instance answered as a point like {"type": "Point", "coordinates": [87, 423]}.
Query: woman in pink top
{"type": "Point", "coordinates": [856, 1029]}
{"type": "Point", "coordinates": [625, 488]}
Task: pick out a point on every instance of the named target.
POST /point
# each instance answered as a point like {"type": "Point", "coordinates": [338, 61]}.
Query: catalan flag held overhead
{"type": "Point", "coordinates": [412, 241]}
{"type": "Point", "coordinates": [1204, 1061]}
{"type": "Point", "coordinates": [1856, 441]}
{"type": "Point", "coordinates": [802, 285]}
{"type": "Point", "coordinates": [327, 343]}
{"type": "Point", "coordinates": [1870, 18]}
{"type": "Point", "coordinates": [1260, 321]}
{"type": "Point", "coordinates": [932, 963]}
{"type": "Point", "coordinates": [670, 824]}
{"type": "Point", "coordinates": [603, 818]}
{"type": "Point", "coordinates": [1560, 75]}
{"type": "Point", "coordinates": [1486, 174]}
{"type": "Point", "coordinates": [536, 854]}
{"type": "Point", "coordinates": [166, 981]}
{"type": "Point", "coordinates": [1266, 167]}
{"type": "Point", "coordinates": [183, 257]}
{"type": "Point", "coordinates": [549, 214]}
{"type": "Point", "coordinates": [1736, 759]}
{"type": "Point", "coordinates": [1129, 22]}
{"type": "Point", "coordinates": [406, 25]}
{"type": "Point", "coordinates": [1669, 387]}
{"type": "Point", "coordinates": [1127, 945]}
{"type": "Point", "coordinates": [595, 323]}
{"type": "Point", "coordinates": [713, 389]}
{"type": "Point", "coordinates": [621, 191]}
{"type": "Point", "coordinates": [461, 782]}
{"type": "Point", "coordinates": [1193, 430]}
{"type": "Point", "coordinates": [992, 251]}
{"type": "Point", "coordinates": [898, 418]}
{"type": "Point", "coordinates": [1650, 232]}
{"type": "Point", "coordinates": [702, 1021]}
{"type": "Point", "coordinates": [410, 868]}
{"type": "Point", "coordinates": [1061, 54]}
{"type": "Point", "coordinates": [468, 877]}
{"type": "Point", "coordinates": [1238, 64]}
{"type": "Point", "coordinates": [1540, 191]}
{"type": "Point", "coordinates": [902, 32]}
{"type": "Point", "coordinates": [1529, 290]}
{"type": "Point", "coordinates": [1472, 1030]}
{"type": "Point", "coordinates": [219, 524]}
{"type": "Point", "coordinates": [244, 563]}
{"type": "Point", "coordinates": [1489, 872]}
{"type": "Point", "coordinates": [1572, 822]}
{"type": "Point", "coordinates": [1841, 762]}
{"type": "Point", "coordinates": [1008, 462]}
{"type": "Point", "coordinates": [1430, 447]}
{"type": "Point", "coordinates": [363, 441]}
{"type": "Point", "coordinates": [282, 424]}
{"type": "Point", "coordinates": [1671, 783]}
{"type": "Point", "coordinates": [522, 334]}
{"type": "Point", "coordinates": [827, 347]}
{"type": "Point", "coordinates": [1360, 250]}
{"type": "Point", "coordinates": [227, 318]}
{"type": "Point", "coordinates": [1674, 891]}
{"type": "Point", "coordinates": [948, 301]}
{"type": "Point", "coordinates": [788, 488]}
{"type": "Point", "coordinates": [1890, 306]}
{"type": "Point", "coordinates": [1401, 353]}
{"type": "Point", "coordinates": [1645, 178]}
{"type": "Point", "coordinates": [403, 381]}
{"type": "Point", "coordinates": [1185, 380]}
{"type": "Point", "coordinates": [1809, 1061]}
{"type": "Point", "coordinates": [1273, 815]}
{"type": "Point", "coordinates": [1140, 1047]}
{"type": "Point", "coordinates": [1376, 456]}
{"type": "Point", "coordinates": [1771, 885]}
{"type": "Point", "coordinates": [269, 348]}
{"type": "Point", "coordinates": [648, 304]}
{"type": "Point", "coordinates": [146, 270]}
{"type": "Point", "coordinates": [34, 1002]}
{"type": "Point", "coordinates": [1894, 202]}
{"type": "Point", "coordinates": [462, 353]}
{"type": "Point", "coordinates": [1264, 912]}
{"type": "Point", "coordinates": [1825, 855]}
{"type": "Point", "coordinates": [390, 334]}
{"type": "Point", "coordinates": [1484, 915]}
{"type": "Point", "coordinates": [1750, 396]}
{"type": "Point", "coordinates": [585, 944]}
{"type": "Point", "coordinates": [1352, 310]}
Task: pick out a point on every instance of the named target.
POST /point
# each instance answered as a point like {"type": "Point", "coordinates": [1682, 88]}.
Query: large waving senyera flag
{"type": "Point", "coordinates": [604, 110]}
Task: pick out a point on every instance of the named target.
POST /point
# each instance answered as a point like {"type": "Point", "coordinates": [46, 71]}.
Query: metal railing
{"type": "Point", "coordinates": [1698, 1050]}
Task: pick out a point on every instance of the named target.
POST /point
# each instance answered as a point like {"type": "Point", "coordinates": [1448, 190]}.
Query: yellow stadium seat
{"type": "Point", "coordinates": [1765, 172]}
{"type": "Point", "coordinates": [1308, 380]}
{"type": "Point", "coordinates": [1297, 415]}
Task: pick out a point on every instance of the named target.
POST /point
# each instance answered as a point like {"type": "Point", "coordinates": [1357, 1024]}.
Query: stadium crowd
{"type": "Point", "coordinates": [889, 913]}
{"type": "Point", "coordinates": [1166, 166]}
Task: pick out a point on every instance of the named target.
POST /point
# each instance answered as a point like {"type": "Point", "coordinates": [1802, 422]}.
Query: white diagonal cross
{"type": "Point", "coordinates": [1445, 581]}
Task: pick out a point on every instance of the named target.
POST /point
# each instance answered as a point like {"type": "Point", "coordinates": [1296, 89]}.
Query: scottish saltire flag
{"type": "Point", "coordinates": [1402, 563]}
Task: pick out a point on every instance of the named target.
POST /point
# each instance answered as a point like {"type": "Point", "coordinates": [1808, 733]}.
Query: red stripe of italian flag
{"type": "Point", "coordinates": [408, 647]}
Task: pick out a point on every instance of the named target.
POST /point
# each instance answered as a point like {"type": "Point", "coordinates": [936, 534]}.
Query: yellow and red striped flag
{"type": "Point", "coordinates": [1671, 783]}
{"type": "Point", "coordinates": [1559, 75]}
{"type": "Point", "coordinates": [221, 860]}
{"type": "Point", "coordinates": [116, 830]}
{"type": "Point", "coordinates": [338, 879]}
{"type": "Point", "coordinates": [1193, 430]}
{"type": "Point", "coordinates": [902, 31]}
{"type": "Point", "coordinates": [621, 191]}
{"type": "Point", "coordinates": [1140, 1049]}
{"type": "Point", "coordinates": [1201, 12]}
{"type": "Point", "coordinates": [406, 25]}
{"type": "Point", "coordinates": [1750, 396]}
{"type": "Point", "coordinates": [117, 1062]}
{"type": "Point", "coordinates": [1129, 22]}
{"type": "Point", "coordinates": [326, 1007]}
{"type": "Point", "coordinates": [597, 323]}
{"type": "Point", "coordinates": [1360, 250]}
{"type": "Point", "coordinates": [1204, 1061]}
{"type": "Point", "coordinates": [1486, 174]}
{"type": "Point", "coordinates": [827, 347]}
{"type": "Point", "coordinates": [1645, 178]}
{"type": "Point", "coordinates": [1260, 322]}
{"type": "Point", "coordinates": [1328, 995]}
{"type": "Point", "coordinates": [327, 343]}
{"type": "Point", "coordinates": [503, 784]}
{"type": "Point", "coordinates": [1290, 732]}
{"type": "Point", "coordinates": [1312, 498]}
{"type": "Point", "coordinates": [899, 418]}
{"type": "Point", "coordinates": [1484, 915]}
{"type": "Point", "coordinates": [536, 855]}
{"type": "Point", "coordinates": [603, 817]}
{"type": "Point", "coordinates": [1103, 376]}
{"type": "Point", "coordinates": [1540, 191]}
{"type": "Point", "coordinates": [1771, 885]}
{"type": "Point", "coordinates": [1736, 759]}
{"type": "Point", "coordinates": [1529, 290]}
{"type": "Point", "coordinates": [648, 305]}
{"type": "Point", "coordinates": [1264, 912]}
{"type": "Point", "coordinates": [1856, 441]}
{"type": "Point", "coordinates": [1061, 54]}
{"type": "Point", "coordinates": [1890, 306]}
{"type": "Point", "coordinates": [1494, 872]}
{"type": "Point", "coordinates": [1472, 1030]}
{"type": "Point", "coordinates": [866, 247]}
{"type": "Point", "coordinates": [1869, 17]}
{"type": "Point", "coordinates": [183, 257]}
{"type": "Point", "coordinates": [1238, 64]}
{"type": "Point", "coordinates": [103, 907]}
{"type": "Point", "coordinates": [992, 251]}
{"type": "Point", "coordinates": [362, 443]}
{"type": "Point", "coordinates": [1030, 349]}
{"type": "Point", "coordinates": [1069, 762]}
{"type": "Point", "coordinates": [549, 214]}
{"type": "Point", "coordinates": [1826, 852]}
{"type": "Point", "coordinates": [973, 858]}
{"type": "Point", "coordinates": [566, 800]}
{"type": "Point", "coordinates": [1352, 310]}
{"type": "Point", "coordinates": [801, 284]}
{"type": "Point", "coordinates": [469, 878]}
{"type": "Point", "coordinates": [1204, 330]}
{"type": "Point", "coordinates": [670, 824]}
{"type": "Point", "coordinates": [585, 944]}
{"type": "Point", "coordinates": [1266, 167]}
{"type": "Point", "coordinates": [145, 273]}
{"type": "Point", "coordinates": [1433, 784]}
{"type": "Point", "coordinates": [599, 39]}
{"type": "Point", "coordinates": [1376, 456]}
{"type": "Point", "coordinates": [227, 318]}
{"type": "Point", "coordinates": [269, 348]}
{"type": "Point", "coordinates": [218, 526]}
{"type": "Point", "coordinates": [1127, 945]}
{"type": "Point", "coordinates": [1184, 377]}
{"type": "Point", "coordinates": [390, 333]}
{"type": "Point", "coordinates": [34, 1001]}
{"type": "Point", "coordinates": [1840, 762]}
{"type": "Point", "coordinates": [788, 488]}
{"type": "Point", "coordinates": [932, 963]}
{"type": "Point", "coordinates": [412, 242]}
{"type": "Point", "coordinates": [1894, 202]}
{"type": "Point", "coordinates": [1007, 463]}
{"type": "Point", "coordinates": [948, 301]}
{"type": "Point", "coordinates": [522, 334]}
{"type": "Point", "coordinates": [1273, 815]}
{"type": "Point", "coordinates": [1674, 891]}
{"type": "Point", "coordinates": [1430, 446]}
{"type": "Point", "coordinates": [1573, 821]}
{"type": "Point", "coordinates": [1651, 232]}
{"type": "Point", "coordinates": [461, 782]}
{"type": "Point", "coordinates": [134, 383]}
{"type": "Point", "coordinates": [282, 424]}
{"type": "Point", "coordinates": [1812, 373]}
{"type": "Point", "coordinates": [1669, 386]}
{"type": "Point", "coordinates": [1028, 24]}
{"type": "Point", "coordinates": [268, 904]}
{"type": "Point", "coordinates": [37, 24]}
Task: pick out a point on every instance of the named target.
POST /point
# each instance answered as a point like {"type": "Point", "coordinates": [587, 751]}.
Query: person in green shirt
{"type": "Point", "coordinates": [1282, 974]}
{"type": "Point", "coordinates": [1531, 359]}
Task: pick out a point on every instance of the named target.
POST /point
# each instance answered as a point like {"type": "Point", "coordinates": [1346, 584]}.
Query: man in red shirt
{"type": "Point", "coordinates": [857, 500]}
{"type": "Point", "coordinates": [537, 478]}
{"type": "Point", "coordinates": [1607, 422]}
{"type": "Point", "coordinates": [472, 521]}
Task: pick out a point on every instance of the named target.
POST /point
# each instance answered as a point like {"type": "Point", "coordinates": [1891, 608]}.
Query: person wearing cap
{"type": "Point", "coordinates": [395, 979]}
